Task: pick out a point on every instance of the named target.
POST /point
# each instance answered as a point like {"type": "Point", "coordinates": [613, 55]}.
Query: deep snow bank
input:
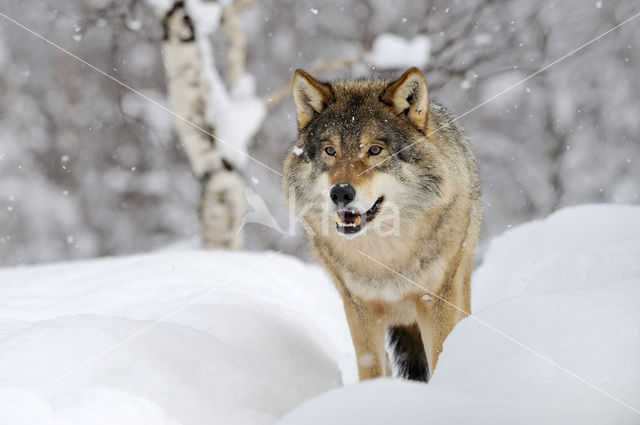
{"type": "Point", "coordinates": [190, 337]}
{"type": "Point", "coordinates": [567, 288]}
{"type": "Point", "coordinates": [180, 336]}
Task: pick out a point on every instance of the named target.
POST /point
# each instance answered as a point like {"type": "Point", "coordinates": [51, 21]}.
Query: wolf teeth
{"type": "Point", "coordinates": [341, 223]}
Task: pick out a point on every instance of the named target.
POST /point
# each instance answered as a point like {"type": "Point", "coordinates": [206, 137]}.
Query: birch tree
{"type": "Point", "coordinates": [213, 125]}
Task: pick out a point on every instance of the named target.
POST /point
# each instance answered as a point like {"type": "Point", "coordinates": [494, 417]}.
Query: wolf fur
{"type": "Point", "coordinates": [401, 275]}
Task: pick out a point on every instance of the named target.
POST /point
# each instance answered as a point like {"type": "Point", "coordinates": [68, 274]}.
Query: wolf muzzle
{"type": "Point", "coordinates": [348, 220]}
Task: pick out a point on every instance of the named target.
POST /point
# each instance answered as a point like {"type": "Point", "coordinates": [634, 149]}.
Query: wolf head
{"type": "Point", "coordinates": [363, 160]}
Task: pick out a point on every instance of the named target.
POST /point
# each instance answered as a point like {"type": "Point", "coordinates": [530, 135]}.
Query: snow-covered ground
{"type": "Point", "coordinates": [184, 336]}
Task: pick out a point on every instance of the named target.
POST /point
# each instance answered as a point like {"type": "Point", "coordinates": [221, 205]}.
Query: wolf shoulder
{"type": "Point", "coordinates": [445, 128]}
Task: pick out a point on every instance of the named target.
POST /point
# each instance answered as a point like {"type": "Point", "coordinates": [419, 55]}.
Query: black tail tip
{"type": "Point", "coordinates": [408, 352]}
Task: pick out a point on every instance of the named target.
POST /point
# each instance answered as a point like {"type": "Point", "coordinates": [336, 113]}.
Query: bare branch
{"type": "Point", "coordinates": [240, 5]}
{"type": "Point", "coordinates": [274, 99]}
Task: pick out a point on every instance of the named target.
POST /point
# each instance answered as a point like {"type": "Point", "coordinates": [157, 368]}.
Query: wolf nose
{"type": "Point", "coordinates": [342, 193]}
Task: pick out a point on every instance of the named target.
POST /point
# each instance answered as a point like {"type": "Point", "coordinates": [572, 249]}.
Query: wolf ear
{"type": "Point", "coordinates": [409, 95]}
{"type": "Point", "coordinates": [311, 96]}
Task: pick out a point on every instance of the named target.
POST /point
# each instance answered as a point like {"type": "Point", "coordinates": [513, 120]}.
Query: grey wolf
{"type": "Point", "coordinates": [396, 180]}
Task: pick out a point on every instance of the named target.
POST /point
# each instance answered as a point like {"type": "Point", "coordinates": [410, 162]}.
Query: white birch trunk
{"type": "Point", "coordinates": [222, 201]}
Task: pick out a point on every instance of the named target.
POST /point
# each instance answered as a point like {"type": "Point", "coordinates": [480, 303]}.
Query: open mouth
{"type": "Point", "coordinates": [350, 222]}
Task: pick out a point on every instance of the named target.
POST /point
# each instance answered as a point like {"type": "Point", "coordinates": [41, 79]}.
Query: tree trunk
{"type": "Point", "coordinates": [222, 201]}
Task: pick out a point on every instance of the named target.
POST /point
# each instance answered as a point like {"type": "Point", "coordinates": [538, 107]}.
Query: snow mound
{"type": "Point", "coordinates": [568, 289]}
{"type": "Point", "coordinates": [177, 337]}
{"type": "Point", "coordinates": [576, 248]}
{"type": "Point", "coordinates": [184, 336]}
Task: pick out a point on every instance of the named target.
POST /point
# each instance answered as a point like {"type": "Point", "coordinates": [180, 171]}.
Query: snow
{"type": "Point", "coordinates": [180, 336]}
{"type": "Point", "coordinates": [184, 336]}
{"type": "Point", "coordinates": [568, 288]}
{"type": "Point", "coordinates": [391, 51]}
{"type": "Point", "coordinates": [160, 6]}
{"type": "Point", "coordinates": [568, 251]}
{"type": "Point", "coordinates": [236, 114]}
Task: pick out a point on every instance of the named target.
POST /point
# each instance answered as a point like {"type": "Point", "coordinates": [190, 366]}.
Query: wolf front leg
{"type": "Point", "coordinates": [367, 325]}
{"type": "Point", "coordinates": [437, 316]}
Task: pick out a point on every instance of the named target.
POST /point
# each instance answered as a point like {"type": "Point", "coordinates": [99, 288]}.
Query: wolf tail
{"type": "Point", "coordinates": [408, 352]}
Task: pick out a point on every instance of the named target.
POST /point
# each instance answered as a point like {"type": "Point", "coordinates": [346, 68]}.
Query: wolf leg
{"type": "Point", "coordinates": [388, 371]}
{"type": "Point", "coordinates": [465, 286]}
{"type": "Point", "coordinates": [437, 316]}
{"type": "Point", "coordinates": [429, 336]}
{"type": "Point", "coordinates": [367, 326]}
{"type": "Point", "coordinates": [408, 352]}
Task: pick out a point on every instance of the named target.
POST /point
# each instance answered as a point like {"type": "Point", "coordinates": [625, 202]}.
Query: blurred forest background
{"type": "Point", "coordinates": [88, 168]}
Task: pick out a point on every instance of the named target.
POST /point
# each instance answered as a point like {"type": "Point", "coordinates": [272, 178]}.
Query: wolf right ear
{"type": "Point", "coordinates": [311, 96]}
{"type": "Point", "coordinates": [409, 95]}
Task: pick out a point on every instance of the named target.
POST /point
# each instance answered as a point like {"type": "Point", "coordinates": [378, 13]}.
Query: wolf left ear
{"type": "Point", "coordinates": [409, 95]}
{"type": "Point", "coordinates": [311, 96]}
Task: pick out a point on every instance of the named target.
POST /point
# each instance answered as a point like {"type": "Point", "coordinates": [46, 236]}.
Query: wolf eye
{"type": "Point", "coordinates": [330, 150]}
{"type": "Point", "coordinates": [375, 150]}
